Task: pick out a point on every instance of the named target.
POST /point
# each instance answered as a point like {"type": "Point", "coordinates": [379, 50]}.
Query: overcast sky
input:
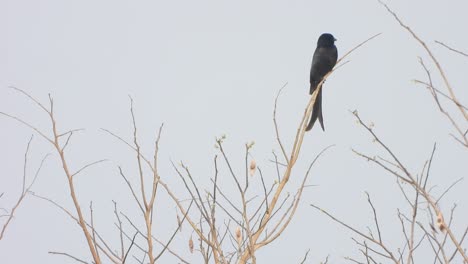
{"type": "Point", "coordinates": [206, 68]}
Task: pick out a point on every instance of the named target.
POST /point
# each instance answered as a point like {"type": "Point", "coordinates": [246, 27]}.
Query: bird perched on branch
{"type": "Point", "coordinates": [324, 60]}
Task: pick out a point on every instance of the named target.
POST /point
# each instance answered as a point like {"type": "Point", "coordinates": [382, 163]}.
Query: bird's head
{"type": "Point", "coordinates": [326, 40]}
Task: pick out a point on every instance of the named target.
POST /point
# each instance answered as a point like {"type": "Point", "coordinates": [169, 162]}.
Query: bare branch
{"type": "Point", "coordinates": [305, 257]}
{"type": "Point", "coordinates": [436, 62]}
{"type": "Point", "coordinates": [389, 253]}
{"type": "Point", "coordinates": [452, 49]}
{"type": "Point", "coordinates": [25, 189]}
{"type": "Point", "coordinates": [124, 259]}
{"type": "Point", "coordinates": [278, 138]}
{"type": "Point", "coordinates": [68, 255]}
{"type": "Point", "coordinates": [87, 166]}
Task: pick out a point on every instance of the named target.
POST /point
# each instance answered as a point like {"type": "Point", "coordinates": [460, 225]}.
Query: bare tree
{"type": "Point", "coordinates": [232, 228]}
{"type": "Point", "coordinates": [435, 226]}
{"type": "Point", "coordinates": [227, 232]}
{"type": "Point", "coordinates": [96, 243]}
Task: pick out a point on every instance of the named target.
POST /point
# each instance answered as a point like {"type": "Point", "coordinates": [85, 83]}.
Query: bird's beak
{"type": "Point", "coordinates": [334, 39]}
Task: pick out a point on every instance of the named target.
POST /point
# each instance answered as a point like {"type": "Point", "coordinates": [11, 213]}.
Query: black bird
{"type": "Point", "coordinates": [324, 60]}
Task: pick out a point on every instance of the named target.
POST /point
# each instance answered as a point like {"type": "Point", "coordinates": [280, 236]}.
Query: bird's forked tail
{"type": "Point", "coordinates": [316, 113]}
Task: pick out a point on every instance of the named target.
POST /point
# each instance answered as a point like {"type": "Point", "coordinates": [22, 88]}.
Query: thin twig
{"type": "Point", "coordinates": [452, 49]}
{"type": "Point", "coordinates": [68, 255]}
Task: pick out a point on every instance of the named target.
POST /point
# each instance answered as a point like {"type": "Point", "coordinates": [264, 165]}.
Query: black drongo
{"type": "Point", "coordinates": [324, 60]}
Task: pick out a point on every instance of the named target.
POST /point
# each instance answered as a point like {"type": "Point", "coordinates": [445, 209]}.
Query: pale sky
{"type": "Point", "coordinates": [206, 68]}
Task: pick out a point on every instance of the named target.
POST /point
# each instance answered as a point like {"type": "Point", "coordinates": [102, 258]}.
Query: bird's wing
{"type": "Point", "coordinates": [323, 61]}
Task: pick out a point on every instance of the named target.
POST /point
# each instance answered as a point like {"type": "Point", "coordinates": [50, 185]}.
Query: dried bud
{"type": "Point", "coordinates": [179, 223]}
{"type": "Point", "coordinates": [371, 125]}
{"type": "Point", "coordinates": [253, 167]}
{"type": "Point", "coordinates": [190, 244]}
{"type": "Point", "coordinates": [238, 235]}
{"type": "Point", "coordinates": [440, 222]}
{"type": "Point", "coordinates": [221, 139]}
